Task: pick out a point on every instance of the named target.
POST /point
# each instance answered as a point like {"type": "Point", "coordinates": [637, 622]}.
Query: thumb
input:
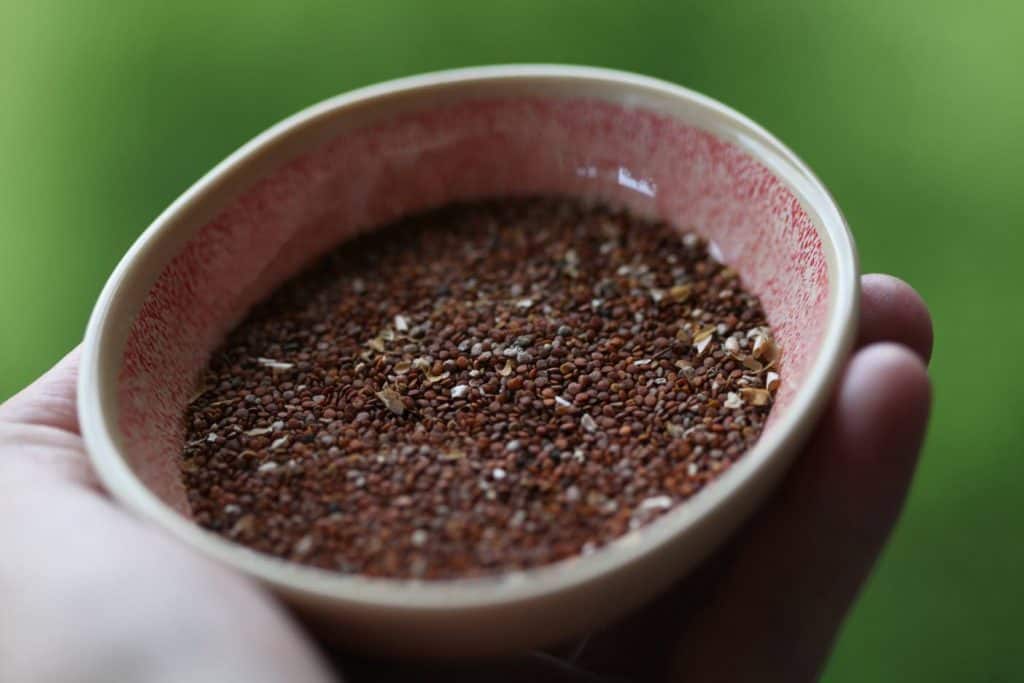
{"type": "Point", "coordinates": [39, 440]}
{"type": "Point", "coordinates": [49, 401]}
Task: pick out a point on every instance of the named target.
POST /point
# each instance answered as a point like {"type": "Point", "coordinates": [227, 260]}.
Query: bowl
{"type": "Point", "coordinates": [362, 159]}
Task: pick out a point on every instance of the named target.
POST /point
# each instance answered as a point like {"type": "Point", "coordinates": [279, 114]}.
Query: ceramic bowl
{"type": "Point", "coordinates": [364, 158]}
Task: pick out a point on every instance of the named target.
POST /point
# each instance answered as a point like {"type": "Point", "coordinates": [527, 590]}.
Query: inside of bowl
{"type": "Point", "coordinates": [410, 161]}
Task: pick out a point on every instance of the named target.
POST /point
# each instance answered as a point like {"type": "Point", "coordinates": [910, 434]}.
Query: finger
{"type": "Point", "coordinates": [779, 604]}
{"type": "Point", "coordinates": [892, 311]}
{"type": "Point", "coordinates": [49, 401]}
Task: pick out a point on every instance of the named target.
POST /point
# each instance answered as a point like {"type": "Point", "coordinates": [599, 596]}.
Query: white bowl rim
{"type": "Point", "coordinates": [96, 407]}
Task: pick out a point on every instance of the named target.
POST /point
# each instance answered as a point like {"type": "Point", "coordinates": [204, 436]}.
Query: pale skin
{"type": "Point", "coordinates": [90, 593]}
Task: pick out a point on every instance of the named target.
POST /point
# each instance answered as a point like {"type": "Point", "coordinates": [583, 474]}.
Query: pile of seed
{"type": "Point", "coordinates": [486, 387]}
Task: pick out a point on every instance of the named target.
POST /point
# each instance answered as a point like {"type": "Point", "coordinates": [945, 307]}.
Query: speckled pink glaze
{"type": "Point", "coordinates": [630, 157]}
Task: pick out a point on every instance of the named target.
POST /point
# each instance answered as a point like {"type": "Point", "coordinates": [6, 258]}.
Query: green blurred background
{"type": "Point", "coordinates": [911, 112]}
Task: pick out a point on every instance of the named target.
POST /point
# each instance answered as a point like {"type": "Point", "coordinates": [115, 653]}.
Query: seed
{"type": "Point", "coordinates": [405, 410]}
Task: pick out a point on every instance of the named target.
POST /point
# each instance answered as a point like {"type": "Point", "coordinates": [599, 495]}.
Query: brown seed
{"type": "Point", "coordinates": [427, 400]}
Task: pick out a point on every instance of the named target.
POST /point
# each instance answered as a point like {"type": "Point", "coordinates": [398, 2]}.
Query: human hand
{"type": "Point", "coordinates": [93, 594]}
{"type": "Point", "coordinates": [89, 593]}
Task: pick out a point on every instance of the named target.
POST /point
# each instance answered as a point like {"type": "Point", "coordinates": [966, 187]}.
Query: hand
{"type": "Point", "coordinates": [90, 593]}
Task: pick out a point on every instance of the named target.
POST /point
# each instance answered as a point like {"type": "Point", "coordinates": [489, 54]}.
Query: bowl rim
{"type": "Point", "coordinates": [97, 408]}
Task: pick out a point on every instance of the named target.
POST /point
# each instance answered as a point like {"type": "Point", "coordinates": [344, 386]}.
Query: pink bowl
{"type": "Point", "coordinates": [359, 160]}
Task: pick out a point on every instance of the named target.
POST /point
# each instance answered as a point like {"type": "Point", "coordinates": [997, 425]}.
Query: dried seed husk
{"type": "Point", "coordinates": [702, 340]}
{"type": "Point", "coordinates": [391, 400]}
{"type": "Point", "coordinates": [732, 401]}
{"type": "Point", "coordinates": [751, 363]}
{"type": "Point", "coordinates": [674, 430]}
{"type": "Point", "coordinates": [275, 364]}
{"type": "Point", "coordinates": [704, 333]}
{"type": "Point", "coordinates": [764, 346]}
{"type": "Point", "coordinates": [680, 293]}
{"type": "Point", "coordinates": [756, 396]}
